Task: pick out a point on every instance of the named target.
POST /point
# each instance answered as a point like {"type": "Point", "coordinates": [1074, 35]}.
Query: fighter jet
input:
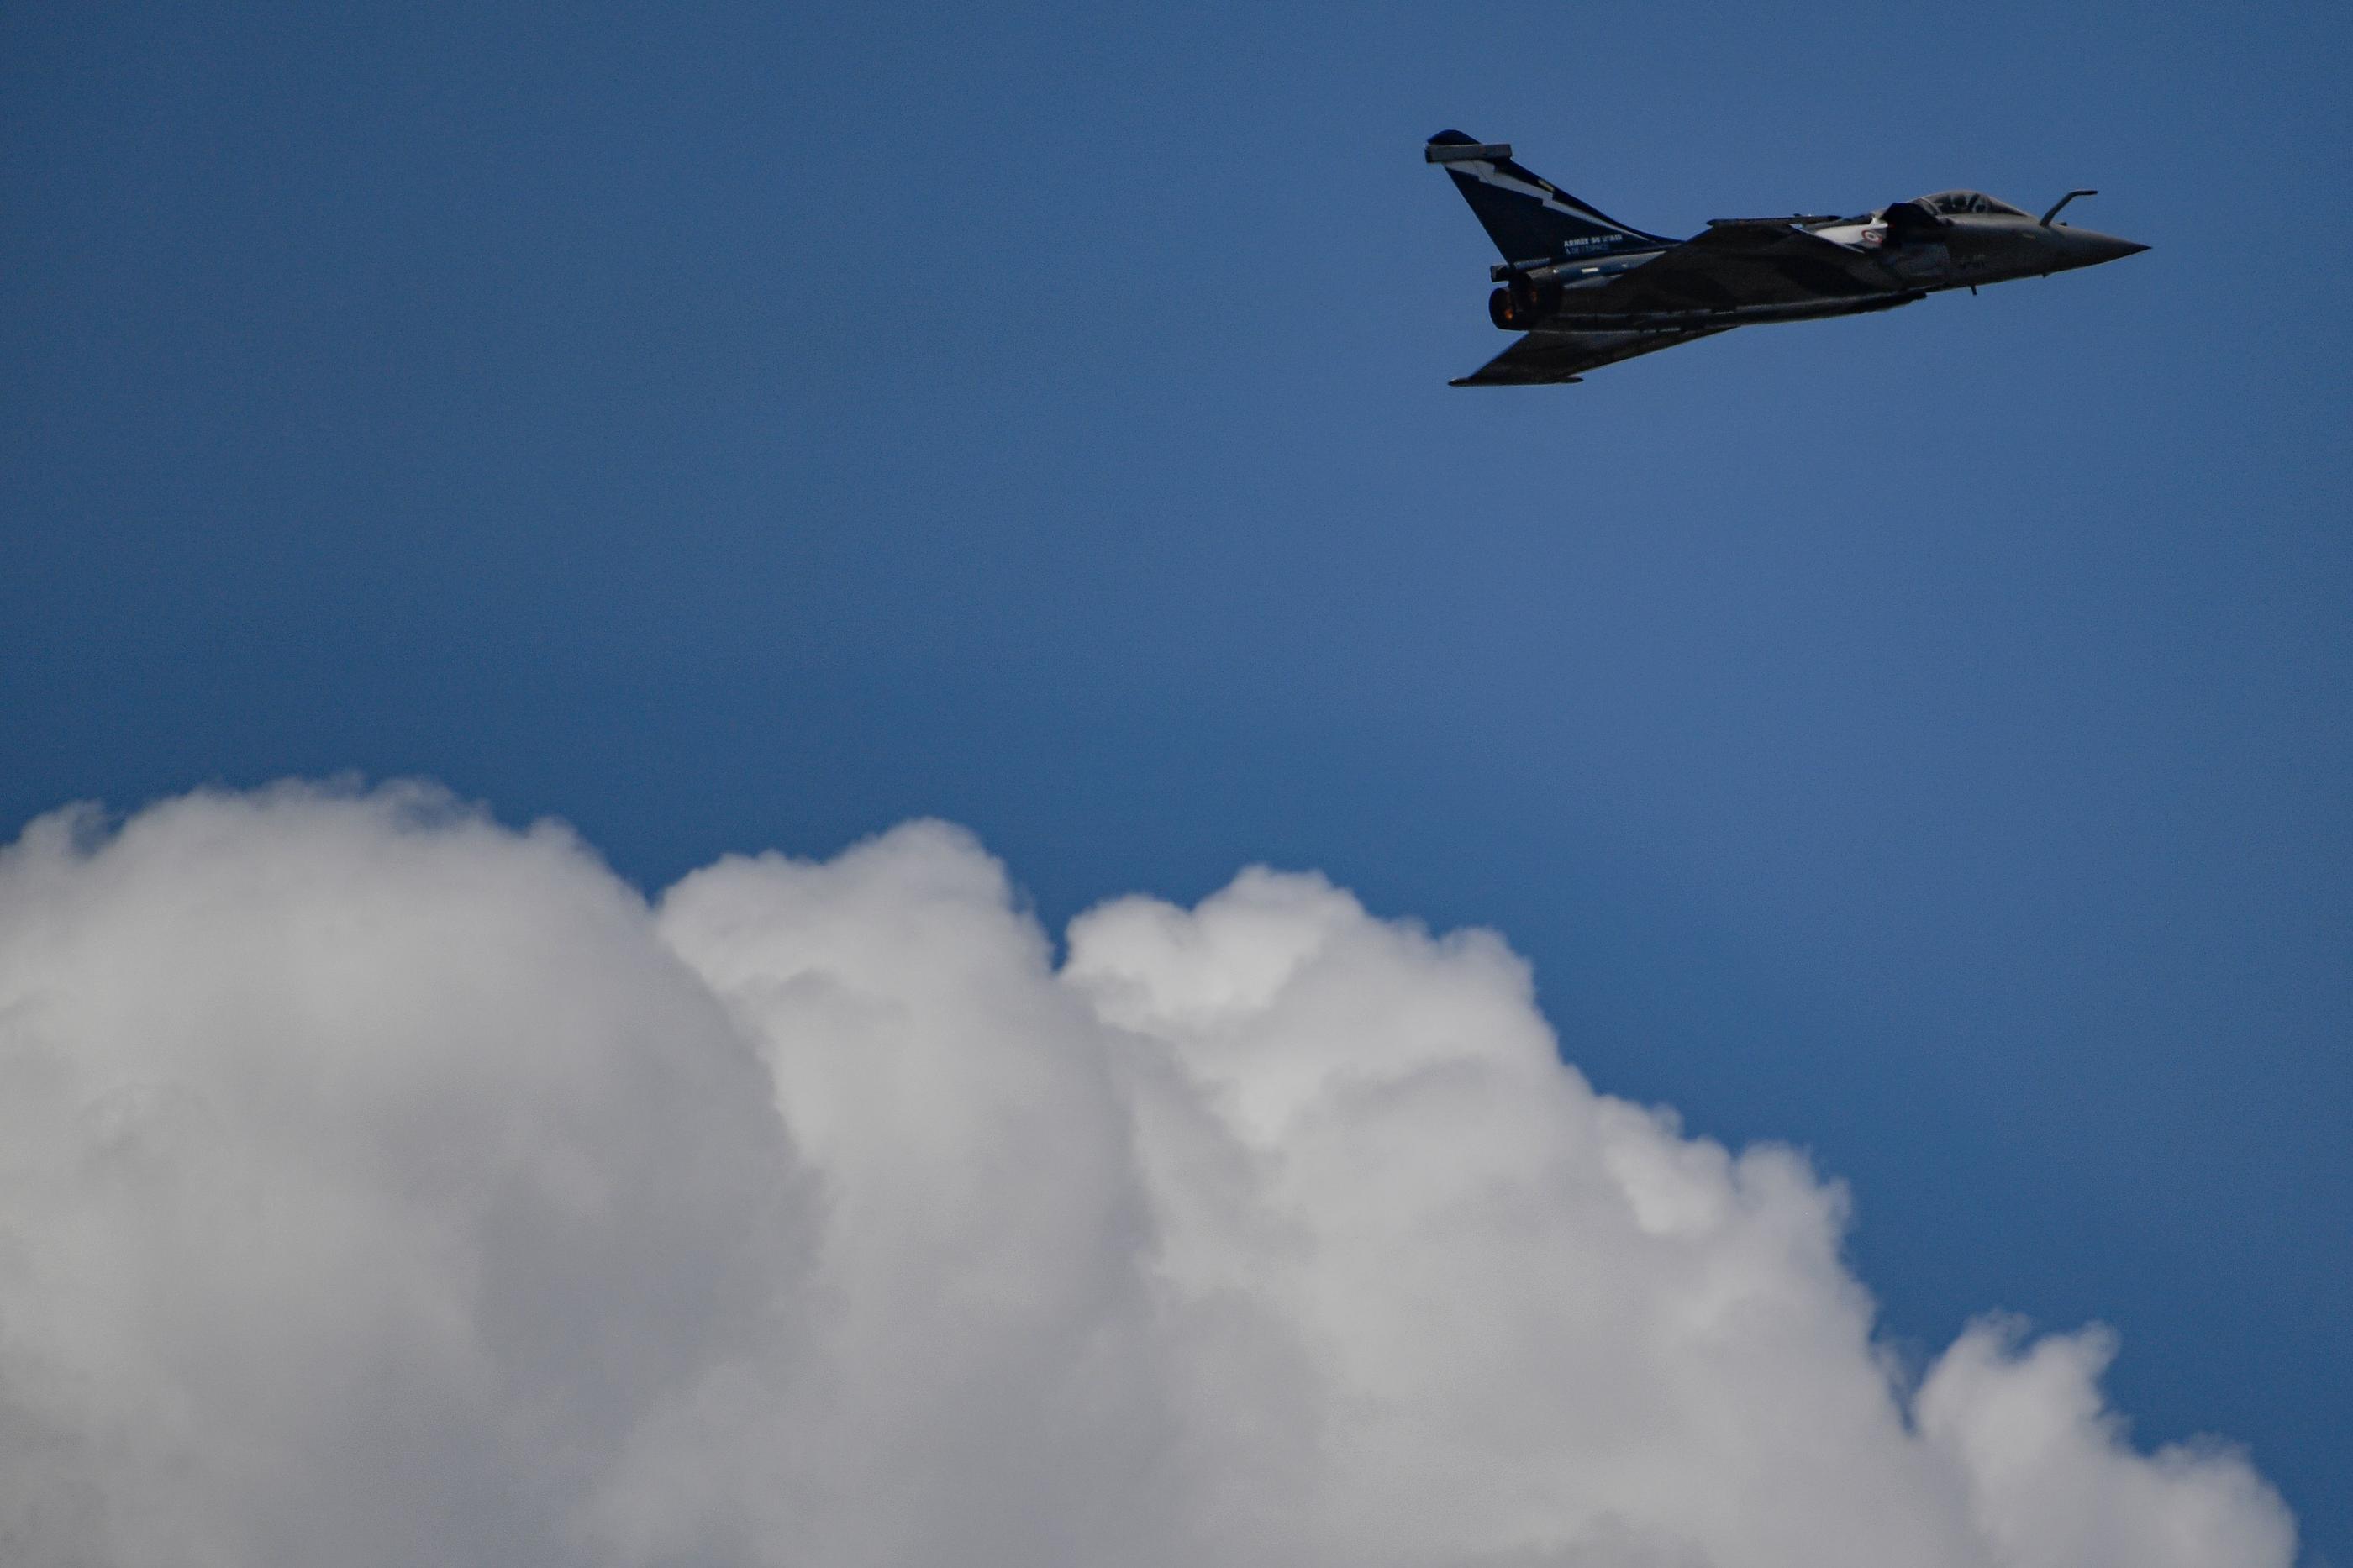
{"type": "Point", "coordinates": [1590, 290]}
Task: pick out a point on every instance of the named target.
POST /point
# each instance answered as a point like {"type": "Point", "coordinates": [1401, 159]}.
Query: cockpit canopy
{"type": "Point", "coordinates": [1949, 203]}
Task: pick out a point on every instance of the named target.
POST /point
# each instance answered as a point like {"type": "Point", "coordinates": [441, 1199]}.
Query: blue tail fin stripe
{"type": "Point", "coordinates": [1530, 218]}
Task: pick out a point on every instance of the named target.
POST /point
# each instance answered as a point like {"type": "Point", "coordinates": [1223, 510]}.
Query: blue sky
{"type": "Point", "coordinates": [1925, 737]}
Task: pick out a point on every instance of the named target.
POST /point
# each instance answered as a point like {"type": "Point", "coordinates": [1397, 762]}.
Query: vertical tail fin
{"type": "Point", "coordinates": [1531, 220]}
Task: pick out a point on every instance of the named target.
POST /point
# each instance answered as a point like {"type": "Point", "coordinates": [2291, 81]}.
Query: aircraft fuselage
{"type": "Point", "coordinates": [1967, 252]}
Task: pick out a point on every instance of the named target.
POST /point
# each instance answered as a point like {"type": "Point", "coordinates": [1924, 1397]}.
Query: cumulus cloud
{"type": "Point", "coordinates": [381, 1185]}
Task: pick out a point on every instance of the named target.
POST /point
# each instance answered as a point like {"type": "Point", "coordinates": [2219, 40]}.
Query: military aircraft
{"type": "Point", "coordinates": [1589, 291]}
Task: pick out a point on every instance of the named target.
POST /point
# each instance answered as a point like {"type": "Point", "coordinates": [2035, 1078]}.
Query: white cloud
{"type": "Point", "coordinates": [378, 1185]}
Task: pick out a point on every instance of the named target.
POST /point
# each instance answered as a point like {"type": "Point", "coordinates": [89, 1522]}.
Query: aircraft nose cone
{"type": "Point", "coordinates": [2089, 250]}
